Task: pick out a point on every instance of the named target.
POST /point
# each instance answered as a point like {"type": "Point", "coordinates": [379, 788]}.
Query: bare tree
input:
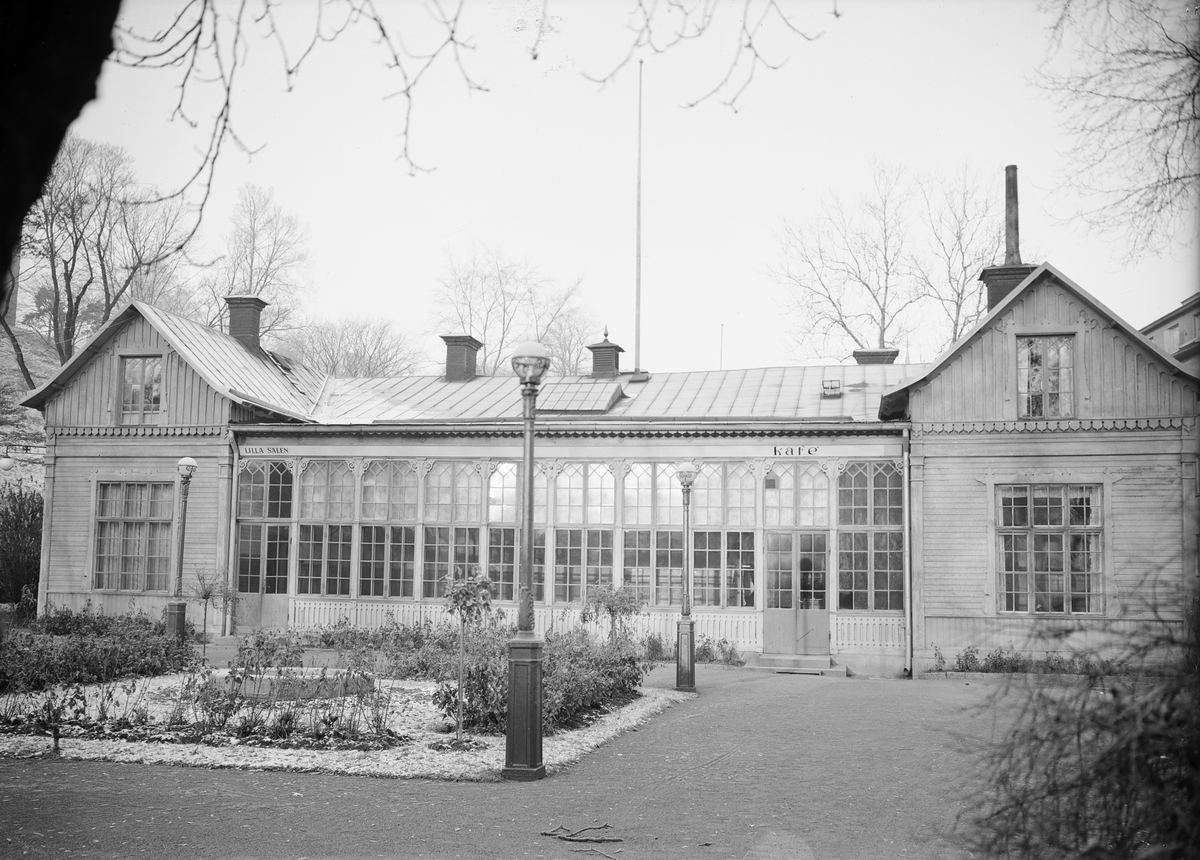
{"type": "Point", "coordinates": [502, 302]}
{"type": "Point", "coordinates": [848, 275]}
{"type": "Point", "coordinates": [1131, 99]}
{"type": "Point", "coordinates": [265, 256]}
{"type": "Point", "coordinates": [965, 234]}
{"type": "Point", "coordinates": [204, 43]}
{"type": "Point", "coordinates": [89, 239]}
{"type": "Point", "coordinates": [574, 329]}
{"type": "Point", "coordinates": [355, 348]}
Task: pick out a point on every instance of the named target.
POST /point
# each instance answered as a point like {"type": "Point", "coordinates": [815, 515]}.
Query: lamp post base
{"type": "Point", "coordinates": [523, 751]}
{"type": "Point", "coordinates": [177, 620]}
{"type": "Point", "coordinates": [685, 656]}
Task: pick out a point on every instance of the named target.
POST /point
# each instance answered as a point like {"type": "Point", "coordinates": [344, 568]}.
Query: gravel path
{"type": "Point", "coordinates": [759, 766]}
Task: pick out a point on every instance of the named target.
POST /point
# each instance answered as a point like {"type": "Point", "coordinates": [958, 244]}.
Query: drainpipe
{"type": "Point", "coordinates": [908, 589]}
{"type": "Point", "coordinates": [231, 551]}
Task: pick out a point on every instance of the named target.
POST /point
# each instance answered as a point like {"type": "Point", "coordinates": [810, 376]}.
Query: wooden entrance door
{"type": "Point", "coordinates": [262, 582]}
{"type": "Point", "coordinates": [796, 617]}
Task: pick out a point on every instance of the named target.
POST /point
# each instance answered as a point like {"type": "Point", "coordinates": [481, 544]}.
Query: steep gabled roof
{"type": "Point", "coordinates": [893, 404]}
{"type": "Point", "coordinates": [245, 376]}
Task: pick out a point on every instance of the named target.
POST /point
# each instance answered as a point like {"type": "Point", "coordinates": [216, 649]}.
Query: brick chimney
{"type": "Point", "coordinates": [245, 314]}
{"type": "Point", "coordinates": [461, 351]}
{"type": "Point", "coordinates": [1000, 280]}
{"type": "Point", "coordinates": [606, 357]}
{"type": "Point", "coordinates": [875, 356]}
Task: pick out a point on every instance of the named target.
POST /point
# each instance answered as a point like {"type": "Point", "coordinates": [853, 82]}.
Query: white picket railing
{"type": "Point", "coordinates": [868, 633]}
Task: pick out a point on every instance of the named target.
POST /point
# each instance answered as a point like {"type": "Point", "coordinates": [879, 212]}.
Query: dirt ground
{"type": "Point", "coordinates": [760, 766]}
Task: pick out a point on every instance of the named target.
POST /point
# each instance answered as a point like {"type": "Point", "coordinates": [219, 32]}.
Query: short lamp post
{"type": "Point", "coordinates": [685, 646]}
{"type": "Point", "coordinates": [177, 608]}
{"type": "Point", "coordinates": [523, 751]}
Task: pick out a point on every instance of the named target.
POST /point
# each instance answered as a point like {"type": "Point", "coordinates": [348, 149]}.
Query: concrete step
{"type": "Point", "coordinates": [794, 664]}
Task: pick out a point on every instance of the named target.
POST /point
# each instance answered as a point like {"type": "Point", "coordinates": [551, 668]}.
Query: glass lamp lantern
{"type": "Point", "coordinates": [530, 361]}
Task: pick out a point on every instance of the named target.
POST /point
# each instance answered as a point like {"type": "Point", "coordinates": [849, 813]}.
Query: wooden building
{"type": "Point", "coordinates": [856, 515]}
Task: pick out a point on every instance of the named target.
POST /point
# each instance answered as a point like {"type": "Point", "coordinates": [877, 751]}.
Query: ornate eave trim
{"type": "Point", "coordinates": [511, 431]}
{"type": "Point", "coordinates": [147, 430]}
{"type": "Point", "coordinates": [1065, 425]}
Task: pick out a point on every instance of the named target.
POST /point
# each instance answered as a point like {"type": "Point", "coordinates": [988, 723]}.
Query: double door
{"type": "Point", "coordinates": [796, 617]}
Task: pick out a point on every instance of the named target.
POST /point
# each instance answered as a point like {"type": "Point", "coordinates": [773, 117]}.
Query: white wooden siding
{"type": "Point", "coordinates": [1115, 376]}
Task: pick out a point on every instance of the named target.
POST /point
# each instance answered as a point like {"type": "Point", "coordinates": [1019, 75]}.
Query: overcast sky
{"type": "Point", "coordinates": [543, 165]}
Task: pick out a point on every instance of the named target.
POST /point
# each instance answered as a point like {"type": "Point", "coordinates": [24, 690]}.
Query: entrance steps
{"type": "Point", "coordinates": [794, 664]}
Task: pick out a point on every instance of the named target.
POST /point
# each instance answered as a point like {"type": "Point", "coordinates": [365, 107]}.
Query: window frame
{"type": "Point", "coordinates": [993, 592]}
{"type": "Point", "coordinates": [1064, 530]}
{"type": "Point", "coordinates": [844, 534]}
{"type": "Point", "coordinates": [158, 415]}
{"type": "Point", "coordinates": [149, 478]}
{"type": "Point", "coordinates": [1069, 402]}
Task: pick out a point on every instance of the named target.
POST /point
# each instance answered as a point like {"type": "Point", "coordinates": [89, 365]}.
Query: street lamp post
{"type": "Point", "coordinates": [177, 609]}
{"type": "Point", "coordinates": [685, 645]}
{"type": "Point", "coordinates": [523, 751]}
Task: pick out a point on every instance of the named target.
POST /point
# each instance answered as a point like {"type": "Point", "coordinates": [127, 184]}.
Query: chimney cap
{"type": "Point", "coordinates": [462, 340]}
{"type": "Point", "coordinates": [876, 356]}
{"type": "Point", "coordinates": [244, 300]}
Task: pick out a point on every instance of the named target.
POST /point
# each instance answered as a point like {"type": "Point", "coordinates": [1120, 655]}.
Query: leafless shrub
{"type": "Point", "coordinates": [1105, 765]}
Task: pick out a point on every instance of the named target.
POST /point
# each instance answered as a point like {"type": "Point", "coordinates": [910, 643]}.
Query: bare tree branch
{"type": "Point", "coordinates": [92, 236]}
{"type": "Point", "coordinates": [660, 25]}
{"type": "Point", "coordinates": [265, 256]}
{"type": "Point", "coordinates": [964, 235]}
{"type": "Point", "coordinates": [1131, 100]}
{"type": "Point", "coordinates": [848, 276]}
{"type": "Point", "coordinates": [354, 348]}
{"type": "Point", "coordinates": [503, 302]}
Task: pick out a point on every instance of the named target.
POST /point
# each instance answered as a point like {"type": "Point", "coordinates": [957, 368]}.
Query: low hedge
{"type": "Point", "coordinates": [31, 662]}
{"type": "Point", "coordinates": [580, 678]}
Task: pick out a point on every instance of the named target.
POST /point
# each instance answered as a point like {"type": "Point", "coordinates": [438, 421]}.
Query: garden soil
{"type": "Point", "coordinates": [760, 766]}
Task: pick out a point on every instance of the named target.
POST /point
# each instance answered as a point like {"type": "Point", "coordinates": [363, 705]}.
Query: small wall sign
{"type": "Point", "coordinates": [795, 450]}
{"type": "Point", "coordinates": [270, 449]}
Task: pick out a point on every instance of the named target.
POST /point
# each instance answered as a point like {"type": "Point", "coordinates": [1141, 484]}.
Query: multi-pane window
{"type": "Point", "coordinates": [263, 558]}
{"type": "Point", "coordinates": [386, 564]}
{"type": "Point", "coordinates": [668, 568]}
{"type": "Point", "coordinates": [133, 535]}
{"type": "Point", "coordinates": [502, 494]}
{"type": "Point", "coordinates": [327, 491]}
{"type": "Point", "coordinates": [387, 561]}
{"type": "Point", "coordinates": [638, 567]}
{"type": "Point", "coordinates": [812, 564]}
{"type": "Point", "coordinates": [584, 495]}
{"type": "Point", "coordinates": [141, 389]}
{"type": "Point", "coordinates": [453, 493]}
{"type": "Point", "coordinates": [389, 491]}
{"type": "Point", "coordinates": [265, 491]}
{"type": "Point", "coordinates": [323, 559]}
{"type": "Point", "coordinates": [653, 557]}
{"type": "Point", "coordinates": [326, 537]}
{"type": "Point", "coordinates": [502, 562]}
{"type": "Point", "coordinates": [796, 568]}
{"type": "Point", "coordinates": [723, 558]}
{"type": "Point", "coordinates": [1049, 538]}
{"type": "Point", "coordinates": [264, 543]}
{"type": "Point", "coordinates": [870, 497]}
{"type": "Point", "coordinates": [1045, 381]}
{"type": "Point", "coordinates": [451, 552]}
{"type": "Point", "coordinates": [583, 558]}
{"type": "Point", "coordinates": [796, 495]}
{"type": "Point", "coordinates": [453, 498]}
{"type": "Point", "coordinates": [779, 563]}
